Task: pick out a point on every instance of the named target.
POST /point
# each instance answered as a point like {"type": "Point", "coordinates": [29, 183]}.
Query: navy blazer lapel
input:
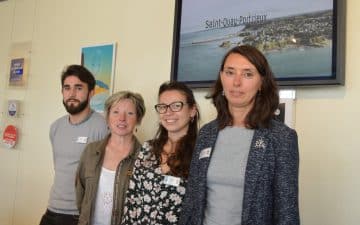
{"type": "Point", "coordinates": [255, 161]}
{"type": "Point", "coordinates": [212, 138]}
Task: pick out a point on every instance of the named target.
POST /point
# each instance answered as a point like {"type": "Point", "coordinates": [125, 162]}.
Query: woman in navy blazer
{"type": "Point", "coordinates": [246, 97]}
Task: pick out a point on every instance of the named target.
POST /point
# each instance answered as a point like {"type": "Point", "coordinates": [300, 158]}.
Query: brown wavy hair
{"type": "Point", "coordinates": [179, 162]}
{"type": "Point", "coordinates": [266, 101]}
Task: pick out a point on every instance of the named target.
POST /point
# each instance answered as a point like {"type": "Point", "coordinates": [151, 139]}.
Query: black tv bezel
{"type": "Point", "coordinates": [337, 76]}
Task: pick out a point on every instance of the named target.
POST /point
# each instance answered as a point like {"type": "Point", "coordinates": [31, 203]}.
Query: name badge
{"type": "Point", "coordinates": [81, 140]}
{"type": "Point", "coordinates": [170, 180]}
{"type": "Point", "coordinates": [205, 153]}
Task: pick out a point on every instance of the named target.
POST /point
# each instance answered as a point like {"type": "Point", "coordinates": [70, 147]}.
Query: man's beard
{"type": "Point", "coordinates": [72, 109]}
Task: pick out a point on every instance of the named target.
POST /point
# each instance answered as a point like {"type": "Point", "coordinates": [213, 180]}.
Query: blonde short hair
{"type": "Point", "coordinates": [136, 98]}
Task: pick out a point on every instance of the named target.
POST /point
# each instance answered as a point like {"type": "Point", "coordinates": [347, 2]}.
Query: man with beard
{"type": "Point", "coordinates": [69, 136]}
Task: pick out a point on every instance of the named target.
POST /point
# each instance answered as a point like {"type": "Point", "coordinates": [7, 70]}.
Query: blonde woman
{"type": "Point", "coordinates": [105, 166]}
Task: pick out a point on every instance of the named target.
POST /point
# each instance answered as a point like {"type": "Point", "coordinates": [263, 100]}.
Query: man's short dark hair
{"type": "Point", "coordinates": [80, 72]}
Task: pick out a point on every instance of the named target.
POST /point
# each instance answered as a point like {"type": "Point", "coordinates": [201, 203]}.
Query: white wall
{"type": "Point", "coordinates": [326, 118]}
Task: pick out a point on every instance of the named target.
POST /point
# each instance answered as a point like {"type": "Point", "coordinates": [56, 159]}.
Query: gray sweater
{"type": "Point", "coordinates": [271, 177]}
{"type": "Point", "coordinates": [68, 142]}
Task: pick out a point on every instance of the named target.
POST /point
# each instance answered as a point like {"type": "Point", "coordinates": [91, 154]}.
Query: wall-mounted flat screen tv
{"type": "Point", "coordinates": [304, 41]}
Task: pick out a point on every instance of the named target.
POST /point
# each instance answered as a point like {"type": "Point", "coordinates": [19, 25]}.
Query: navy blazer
{"type": "Point", "coordinates": [271, 177]}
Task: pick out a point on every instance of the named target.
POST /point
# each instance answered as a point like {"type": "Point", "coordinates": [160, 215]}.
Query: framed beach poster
{"type": "Point", "coordinates": [304, 41]}
{"type": "Point", "coordinates": [100, 60]}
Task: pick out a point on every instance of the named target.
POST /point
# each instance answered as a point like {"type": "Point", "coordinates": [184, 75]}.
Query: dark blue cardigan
{"type": "Point", "coordinates": [271, 177]}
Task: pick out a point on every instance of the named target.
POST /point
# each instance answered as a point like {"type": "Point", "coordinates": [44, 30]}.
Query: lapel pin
{"type": "Point", "coordinates": [260, 143]}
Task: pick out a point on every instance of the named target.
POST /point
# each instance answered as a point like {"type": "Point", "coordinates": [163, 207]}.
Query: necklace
{"type": "Point", "coordinates": [167, 154]}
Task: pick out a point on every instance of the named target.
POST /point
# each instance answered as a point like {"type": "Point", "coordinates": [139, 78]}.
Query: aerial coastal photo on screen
{"type": "Point", "coordinates": [296, 37]}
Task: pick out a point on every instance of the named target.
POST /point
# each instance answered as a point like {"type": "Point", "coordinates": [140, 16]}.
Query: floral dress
{"type": "Point", "coordinates": [150, 201]}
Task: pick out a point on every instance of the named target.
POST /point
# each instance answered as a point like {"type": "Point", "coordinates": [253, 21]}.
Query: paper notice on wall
{"type": "Point", "coordinates": [17, 71]}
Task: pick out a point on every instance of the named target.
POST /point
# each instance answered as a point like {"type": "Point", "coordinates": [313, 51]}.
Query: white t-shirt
{"type": "Point", "coordinates": [104, 198]}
